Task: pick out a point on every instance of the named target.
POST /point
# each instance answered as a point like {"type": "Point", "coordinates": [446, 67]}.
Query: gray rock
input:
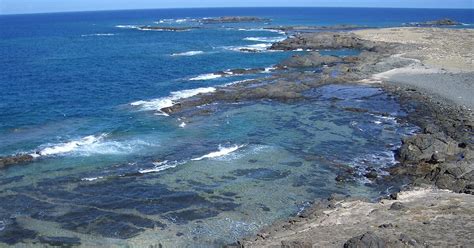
{"type": "Point", "coordinates": [397, 206]}
{"type": "Point", "coordinates": [16, 159]}
{"type": "Point", "coordinates": [324, 40]}
{"type": "Point", "coordinates": [367, 240]}
{"type": "Point", "coordinates": [313, 59]}
{"type": "Point", "coordinates": [295, 244]}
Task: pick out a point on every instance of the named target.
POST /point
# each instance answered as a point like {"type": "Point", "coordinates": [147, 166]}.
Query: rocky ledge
{"type": "Point", "coordinates": [233, 19]}
{"type": "Point", "coordinates": [419, 217]}
{"type": "Point", "coordinates": [324, 40]}
{"type": "Point", "coordinates": [342, 27]}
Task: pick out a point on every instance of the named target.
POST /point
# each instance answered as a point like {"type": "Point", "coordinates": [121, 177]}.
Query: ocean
{"type": "Point", "coordinates": [82, 92]}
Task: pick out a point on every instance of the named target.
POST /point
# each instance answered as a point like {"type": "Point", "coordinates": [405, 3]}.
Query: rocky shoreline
{"type": "Point", "coordinates": [441, 155]}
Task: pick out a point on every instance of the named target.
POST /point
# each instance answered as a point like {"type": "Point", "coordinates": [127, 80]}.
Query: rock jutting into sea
{"type": "Point", "coordinates": [16, 159]}
{"type": "Point", "coordinates": [342, 27]}
{"type": "Point", "coordinates": [436, 23]}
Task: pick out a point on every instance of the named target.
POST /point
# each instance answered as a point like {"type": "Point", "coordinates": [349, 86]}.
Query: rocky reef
{"type": "Point", "coordinates": [324, 40]}
{"type": "Point", "coordinates": [342, 27]}
{"type": "Point", "coordinates": [233, 19]}
{"type": "Point", "coordinates": [435, 23]}
{"type": "Point", "coordinates": [16, 159]}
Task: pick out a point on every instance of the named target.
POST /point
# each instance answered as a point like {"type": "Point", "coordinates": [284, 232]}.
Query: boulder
{"type": "Point", "coordinates": [366, 240]}
{"type": "Point", "coordinates": [428, 147]}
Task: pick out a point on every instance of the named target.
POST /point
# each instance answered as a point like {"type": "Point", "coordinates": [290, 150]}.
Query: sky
{"type": "Point", "coordinates": [45, 6]}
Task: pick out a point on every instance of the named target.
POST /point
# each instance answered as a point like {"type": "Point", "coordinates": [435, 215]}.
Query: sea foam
{"type": "Point", "coordinates": [261, 47]}
{"type": "Point", "coordinates": [91, 35]}
{"type": "Point", "coordinates": [92, 145]}
{"type": "Point", "coordinates": [71, 145]}
{"type": "Point", "coordinates": [265, 39]}
{"type": "Point", "coordinates": [223, 151]}
{"type": "Point", "coordinates": [160, 166]}
{"type": "Point", "coordinates": [203, 77]}
{"type": "Point", "coordinates": [190, 53]}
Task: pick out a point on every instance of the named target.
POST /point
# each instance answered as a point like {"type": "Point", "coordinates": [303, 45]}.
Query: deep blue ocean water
{"type": "Point", "coordinates": [83, 91]}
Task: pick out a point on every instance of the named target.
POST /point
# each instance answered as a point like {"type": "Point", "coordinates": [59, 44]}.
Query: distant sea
{"type": "Point", "coordinates": [82, 92]}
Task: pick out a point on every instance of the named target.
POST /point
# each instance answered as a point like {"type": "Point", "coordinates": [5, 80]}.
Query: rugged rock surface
{"type": "Point", "coordinates": [324, 40]}
{"type": "Point", "coordinates": [16, 159]}
{"type": "Point", "coordinates": [240, 72]}
{"type": "Point", "coordinates": [313, 59]}
{"type": "Point", "coordinates": [428, 218]}
{"type": "Point", "coordinates": [366, 240]}
{"type": "Point", "coordinates": [233, 19]}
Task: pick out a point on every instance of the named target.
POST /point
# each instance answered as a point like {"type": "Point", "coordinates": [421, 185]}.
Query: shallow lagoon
{"type": "Point", "coordinates": [221, 177]}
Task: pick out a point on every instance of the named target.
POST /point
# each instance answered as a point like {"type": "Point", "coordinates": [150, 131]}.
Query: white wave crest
{"type": "Point", "coordinates": [91, 35]}
{"type": "Point", "coordinates": [190, 53]}
{"type": "Point", "coordinates": [71, 145]}
{"type": "Point", "coordinates": [266, 39]}
{"type": "Point", "coordinates": [237, 82]}
{"type": "Point", "coordinates": [160, 166]}
{"type": "Point", "coordinates": [182, 20]}
{"type": "Point", "coordinates": [208, 76]}
{"type": "Point", "coordinates": [250, 48]}
{"type": "Point", "coordinates": [223, 151]}
{"type": "Point", "coordinates": [90, 179]}
{"type": "Point", "coordinates": [127, 26]}
{"type": "Point", "coordinates": [164, 102]}
{"type": "Point", "coordinates": [92, 145]}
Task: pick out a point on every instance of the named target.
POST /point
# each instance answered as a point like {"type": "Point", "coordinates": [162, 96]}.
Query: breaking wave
{"type": "Point", "coordinates": [164, 102]}
{"type": "Point", "coordinates": [190, 53]}
{"type": "Point", "coordinates": [223, 151]}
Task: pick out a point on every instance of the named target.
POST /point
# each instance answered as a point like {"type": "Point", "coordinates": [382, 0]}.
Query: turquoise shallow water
{"type": "Point", "coordinates": [82, 91]}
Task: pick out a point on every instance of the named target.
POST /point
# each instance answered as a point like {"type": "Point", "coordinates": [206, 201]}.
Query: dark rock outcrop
{"type": "Point", "coordinates": [436, 147]}
{"type": "Point", "coordinates": [16, 159]}
{"type": "Point", "coordinates": [316, 28]}
{"type": "Point", "coordinates": [324, 40]}
{"type": "Point", "coordinates": [366, 240]}
{"type": "Point", "coordinates": [313, 59]}
{"type": "Point", "coordinates": [435, 23]}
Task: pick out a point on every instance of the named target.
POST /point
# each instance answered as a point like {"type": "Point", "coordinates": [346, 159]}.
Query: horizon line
{"type": "Point", "coordinates": [242, 7]}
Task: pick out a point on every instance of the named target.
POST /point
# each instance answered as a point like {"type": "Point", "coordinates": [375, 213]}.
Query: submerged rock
{"type": "Point", "coordinates": [60, 241]}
